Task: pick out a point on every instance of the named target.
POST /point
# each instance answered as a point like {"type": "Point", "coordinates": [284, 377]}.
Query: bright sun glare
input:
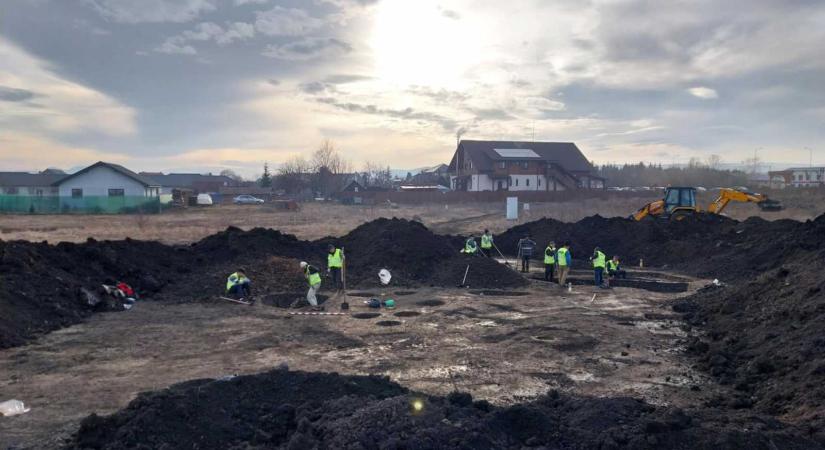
{"type": "Point", "coordinates": [414, 42]}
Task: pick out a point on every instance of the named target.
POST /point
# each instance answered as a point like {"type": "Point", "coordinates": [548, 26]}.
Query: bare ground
{"type": "Point", "coordinates": [316, 220]}
{"type": "Point", "coordinates": [502, 348]}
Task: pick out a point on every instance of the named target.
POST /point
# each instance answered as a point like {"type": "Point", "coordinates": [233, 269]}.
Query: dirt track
{"type": "Point", "coordinates": [502, 348]}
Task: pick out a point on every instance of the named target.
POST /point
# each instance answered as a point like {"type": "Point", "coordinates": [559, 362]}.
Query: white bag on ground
{"type": "Point", "coordinates": [385, 276]}
{"type": "Point", "coordinates": [13, 408]}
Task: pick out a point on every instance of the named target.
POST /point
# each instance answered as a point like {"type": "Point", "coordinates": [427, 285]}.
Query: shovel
{"type": "Point", "coordinates": [464, 281]}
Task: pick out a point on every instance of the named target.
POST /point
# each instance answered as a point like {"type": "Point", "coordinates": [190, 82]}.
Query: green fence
{"type": "Point", "coordinates": [18, 204]}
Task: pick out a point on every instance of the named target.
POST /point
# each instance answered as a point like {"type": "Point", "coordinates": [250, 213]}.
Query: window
{"type": "Point", "coordinates": [525, 165]}
{"type": "Point", "coordinates": [539, 182]}
{"type": "Point", "coordinates": [527, 182]}
{"type": "Point", "coordinates": [116, 193]}
{"type": "Point", "coordinates": [502, 165]}
{"type": "Point", "coordinates": [807, 176]}
{"type": "Point", "coordinates": [516, 181]}
{"type": "Point", "coordinates": [77, 193]}
{"type": "Point", "coordinates": [11, 190]}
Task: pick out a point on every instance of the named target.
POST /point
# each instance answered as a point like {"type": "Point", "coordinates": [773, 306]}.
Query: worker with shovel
{"type": "Point", "coordinates": [487, 244]}
{"type": "Point", "coordinates": [313, 277]}
{"type": "Point", "coordinates": [238, 285]}
{"type": "Point", "coordinates": [550, 261]}
{"type": "Point", "coordinates": [614, 268]}
{"type": "Point", "coordinates": [335, 263]}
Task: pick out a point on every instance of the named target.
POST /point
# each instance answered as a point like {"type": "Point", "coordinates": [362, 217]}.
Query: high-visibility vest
{"type": "Point", "coordinates": [470, 246]}
{"type": "Point", "coordinates": [562, 257]}
{"type": "Point", "coordinates": [598, 261]}
{"type": "Point", "coordinates": [486, 241]}
{"type": "Point", "coordinates": [550, 255]}
{"type": "Point", "coordinates": [312, 278]}
{"type": "Point", "coordinates": [335, 260]}
{"type": "Point", "coordinates": [612, 265]}
{"type": "Point", "coordinates": [233, 279]}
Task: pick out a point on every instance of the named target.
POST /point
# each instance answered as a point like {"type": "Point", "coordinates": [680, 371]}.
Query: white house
{"type": "Point", "coordinates": [798, 177]}
{"type": "Point", "coordinates": [104, 179]}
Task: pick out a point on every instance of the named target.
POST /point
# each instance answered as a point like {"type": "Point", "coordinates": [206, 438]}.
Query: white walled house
{"type": "Point", "coordinates": [479, 166]}
{"type": "Point", "coordinates": [797, 177]}
{"type": "Point", "coordinates": [107, 180]}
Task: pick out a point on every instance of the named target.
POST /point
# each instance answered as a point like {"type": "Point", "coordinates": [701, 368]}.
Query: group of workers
{"type": "Point", "coordinates": [557, 261]}
{"type": "Point", "coordinates": [238, 285]}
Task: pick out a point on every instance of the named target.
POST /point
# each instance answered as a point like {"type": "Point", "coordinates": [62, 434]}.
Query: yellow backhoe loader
{"type": "Point", "coordinates": [680, 202]}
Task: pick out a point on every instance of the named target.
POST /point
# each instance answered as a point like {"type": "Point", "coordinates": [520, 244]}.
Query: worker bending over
{"type": "Point", "coordinates": [238, 285]}
{"type": "Point", "coordinates": [335, 264]}
{"type": "Point", "coordinates": [550, 261]}
{"type": "Point", "coordinates": [525, 248]}
{"type": "Point", "coordinates": [599, 263]}
{"type": "Point", "coordinates": [614, 268]}
{"type": "Point", "coordinates": [470, 246]}
{"type": "Point", "coordinates": [487, 244]}
{"type": "Point", "coordinates": [313, 277]}
{"type": "Point", "coordinates": [563, 260]}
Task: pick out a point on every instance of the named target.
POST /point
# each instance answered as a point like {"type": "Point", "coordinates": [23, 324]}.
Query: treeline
{"type": "Point", "coordinates": [693, 174]}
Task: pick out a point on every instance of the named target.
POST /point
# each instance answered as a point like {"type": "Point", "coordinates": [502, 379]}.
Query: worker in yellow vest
{"type": "Point", "coordinates": [563, 261]}
{"type": "Point", "coordinates": [550, 261]}
{"type": "Point", "coordinates": [614, 268]}
{"type": "Point", "coordinates": [599, 264]}
{"type": "Point", "coordinates": [487, 243]}
{"type": "Point", "coordinates": [335, 264]}
{"type": "Point", "coordinates": [313, 277]}
{"type": "Point", "coordinates": [238, 285]}
{"type": "Point", "coordinates": [470, 246]}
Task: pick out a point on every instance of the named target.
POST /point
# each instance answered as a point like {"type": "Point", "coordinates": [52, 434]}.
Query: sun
{"type": "Point", "coordinates": [419, 43]}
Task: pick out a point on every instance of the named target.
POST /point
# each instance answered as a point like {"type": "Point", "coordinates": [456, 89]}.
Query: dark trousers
{"type": "Point", "coordinates": [486, 252]}
{"type": "Point", "coordinates": [240, 290]}
{"type": "Point", "coordinates": [525, 263]}
{"type": "Point", "coordinates": [599, 275]}
{"type": "Point", "coordinates": [618, 273]}
{"type": "Point", "coordinates": [549, 271]}
{"type": "Point", "coordinates": [335, 276]}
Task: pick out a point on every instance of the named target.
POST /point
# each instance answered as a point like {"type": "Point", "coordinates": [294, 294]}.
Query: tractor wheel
{"type": "Point", "coordinates": [680, 215]}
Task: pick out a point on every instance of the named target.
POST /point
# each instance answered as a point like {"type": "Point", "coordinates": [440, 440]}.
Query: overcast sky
{"type": "Point", "coordinates": [206, 84]}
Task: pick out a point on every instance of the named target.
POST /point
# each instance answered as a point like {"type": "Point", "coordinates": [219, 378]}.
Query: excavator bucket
{"type": "Point", "coordinates": [770, 205]}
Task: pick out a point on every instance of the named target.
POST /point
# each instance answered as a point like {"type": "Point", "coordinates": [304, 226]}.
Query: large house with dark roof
{"type": "Point", "coordinates": [521, 166]}
{"type": "Point", "coordinates": [103, 179]}
{"type": "Point", "coordinates": [198, 183]}
{"type": "Point", "coordinates": [29, 184]}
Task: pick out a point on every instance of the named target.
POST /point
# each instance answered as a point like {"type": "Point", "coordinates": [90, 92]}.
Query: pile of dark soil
{"type": "Point", "coordinates": [415, 256]}
{"type": "Point", "coordinates": [764, 336]}
{"type": "Point", "coordinates": [235, 243]}
{"type": "Point", "coordinates": [704, 245]}
{"type": "Point", "coordinates": [296, 410]}
{"type": "Point", "coordinates": [45, 287]}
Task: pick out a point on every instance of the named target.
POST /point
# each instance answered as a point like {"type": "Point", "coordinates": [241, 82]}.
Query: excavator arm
{"type": "Point", "coordinates": [732, 195]}
{"type": "Point", "coordinates": [651, 209]}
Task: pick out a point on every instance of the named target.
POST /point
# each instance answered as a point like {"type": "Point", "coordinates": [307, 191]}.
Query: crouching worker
{"type": "Point", "coordinates": [238, 285]}
{"type": "Point", "coordinates": [614, 269]}
{"type": "Point", "coordinates": [313, 277]}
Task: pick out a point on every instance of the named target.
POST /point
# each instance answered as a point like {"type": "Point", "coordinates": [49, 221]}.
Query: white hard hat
{"type": "Point", "coordinates": [304, 264]}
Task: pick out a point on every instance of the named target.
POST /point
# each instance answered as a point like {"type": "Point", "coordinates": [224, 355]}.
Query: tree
{"type": "Point", "coordinates": [266, 177]}
{"type": "Point", "coordinates": [714, 161]}
{"type": "Point", "coordinates": [293, 175]}
{"type": "Point", "coordinates": [329, 169]}
{"type": "Point", "coordinates": [752, 164]}
{"type": "Point", "coordinates": [231, 174]}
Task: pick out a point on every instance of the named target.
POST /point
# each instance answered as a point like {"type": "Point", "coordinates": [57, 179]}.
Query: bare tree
{"type": "Point", "coordinates": [752, 164]}
{"type": "Point", "coordinates": [293, 175]}
{"type": "Point", "coordinates": [714, 161]}
{"type": "Point", "coordinates": [231, 174]}
{"type": "Point", "coordinates": [695, 163]}
{"type": "Point", "coordinates": [329, 169]}
{"type": "Point", "coordinates": [378, 175]}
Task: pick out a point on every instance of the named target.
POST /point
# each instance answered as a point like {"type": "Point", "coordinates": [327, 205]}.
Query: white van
{"type": "Point", "coordinates": [204, 200]}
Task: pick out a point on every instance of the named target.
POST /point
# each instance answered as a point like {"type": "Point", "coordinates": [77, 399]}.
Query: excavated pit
{"type": "Point", "coordinates": [495, 293]}
{"type": "Point", "coordinates": [407, 314]}
{"type": "Point", "coordinates": [366, 315]}
{"type": "Point", "coordinates": [388, 323]}
{"type": "Point", "coordinates": [290, 300]}
{"type": "Point", "coordinates": [430, 303]}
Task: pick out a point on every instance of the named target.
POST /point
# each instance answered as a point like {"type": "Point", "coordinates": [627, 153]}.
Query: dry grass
{"type": "Point", "coordinates": [319, 220]}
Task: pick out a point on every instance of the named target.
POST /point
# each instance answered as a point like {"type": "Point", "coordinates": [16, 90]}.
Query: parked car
{"type": "Point", "coordinates": [247, 200]}
{"type": "Point", "coordinates": [204, 200]}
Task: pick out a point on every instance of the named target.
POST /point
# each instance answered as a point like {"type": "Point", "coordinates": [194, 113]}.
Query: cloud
{"type": "Point", "coordinates": [346, 78]}
{"type": "Point", "coordinates": [405, 113]}
{"type": "Point", "coordinates": [8, 94]}
{"type": "Point", "coordinates": [246, 2]}
{"type": "Point", "coordinates": [26, 152]}
{"type": "Point", "coordinates": [307, 49]}
{"type": "Point", "coordinates": [449, 13]}
{"type": "Point", "coordinates": [63, 108]}
{"type": "Point", "coordinates": [280, 21]}
{"type": "Point", "coordinates": [703, 93]}
{"type": "Point", "coordinates": [206, 31]}
{"type": "Point", "coordinates": [151, 11]}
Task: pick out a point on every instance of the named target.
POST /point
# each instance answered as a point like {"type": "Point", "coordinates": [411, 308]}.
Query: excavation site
{"type": "Point", "coordinates": [711, 338]}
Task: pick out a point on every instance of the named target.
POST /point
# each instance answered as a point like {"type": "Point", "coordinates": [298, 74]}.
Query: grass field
{"type": "Point", "coordinates": [316, 220]}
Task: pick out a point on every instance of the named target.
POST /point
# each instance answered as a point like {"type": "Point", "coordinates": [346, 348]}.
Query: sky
{"type": "Point", "coordinates": [202, 85]}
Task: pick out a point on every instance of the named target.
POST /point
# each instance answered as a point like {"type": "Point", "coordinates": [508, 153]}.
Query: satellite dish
{"type": "Point", "coordinates": [385, 276]}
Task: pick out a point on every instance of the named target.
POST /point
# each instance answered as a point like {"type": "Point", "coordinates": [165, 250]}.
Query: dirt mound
{"type": "Point", "coordinates": [764, 336]}
{"type": "Point", "coordinates": [234, 243]}
{"type": "Point", "coordinates": [296, 410]}
{"type": "Point", "coordinates": [415, 256]}
{"type": "Point", "coordinates": [45, 287]}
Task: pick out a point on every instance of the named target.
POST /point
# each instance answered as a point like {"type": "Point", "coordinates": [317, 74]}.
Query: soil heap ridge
{"type": "Point", "coordinates": [297, 410]}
